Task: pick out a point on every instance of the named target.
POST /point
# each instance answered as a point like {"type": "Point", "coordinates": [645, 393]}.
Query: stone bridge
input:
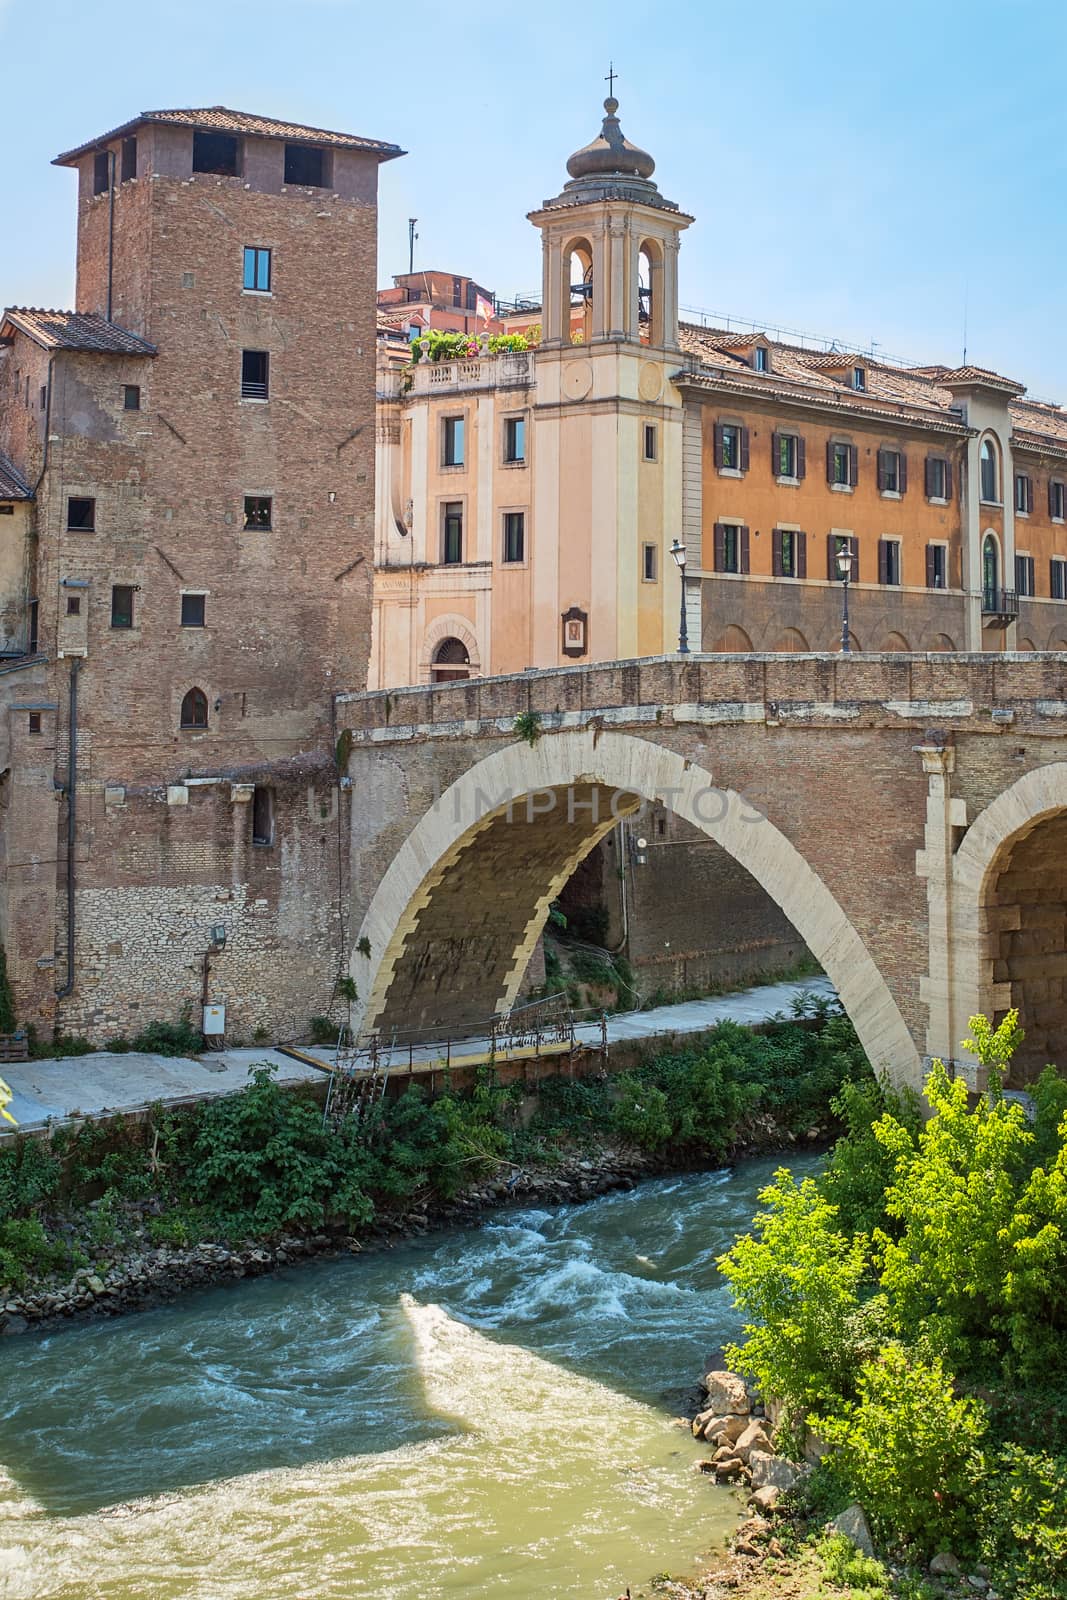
{"type": "Point", "coordinates": [907, 813]}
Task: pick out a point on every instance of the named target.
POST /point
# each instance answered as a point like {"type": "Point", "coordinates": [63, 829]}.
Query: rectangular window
{"type": "Point", "coordinates": [650, 441]}
{"type": "Point", "coordinates": [1055, 499]}
{"type": "Point", "coordinates": [1024, 493]}
{"type": "Point", "coordinates": [452, 534]}
{"type": "Point", "coordinates": [258, 509]}
{"type": "Point", "coordinates": [889, 561]}
{"type": "Point", "coordinates": [305, 165]}
{"type": "Point", "coordinates": [759, 359]}
{"type": "Point", "coordinates": [785, 455]}
{"type": "Point", "coordinates": [129, 158]}
{"type": "Point", "coordinates": [35, 722]}
{"type": "Point", "coordinates": [122, 605]}
{"type": "Point", "coordinates": [1024, 575]}
{"type": "Point", "coordinates": [936, 566]}
{"type": "Point", "coordinates": [102, 172]}
{"type": "Point", "coordinates": [34, 608]}
{"type": "Point", "coordinates": [938, 478]}
{"type": "Point", "coordinates": [649, 567]}
{"type": "Point", "coordinates": [216, 153]}
{"type": "Point", "coordinates": [892, 472]}
{"type": "Point", "coordinates": [255, 375]}
{"type": "Point", "coordinates": [81, 515]}
{"type": "Point", "coordinates": [193, 610]}
{"type": "Point", "coordinates": [788, 557]}
{"type": "Point", "coordinates": [74, 605]}
{"type": "Point", "coordinates": [1058, 578]}
{"type": "Point", "coordinates": [732, 451]}
{"type": "Point", "coordinates": [262, 815]}
{"type": "Point", "coordinates": [731, 547]}
{"type": "Point", "coordinates": [859, 378]}
{"type": "Point", "coordinates": [841, 465]}
{"type": "Point", "coordinates": [256, 269]}
{"type": "Point", "coordinates": [514, 535]}
{"type": "Point", "coordinates": [44, 396]}
{"type": "Point", "coordinates": [452, 436]}
{"type": "Point", "coordinates": [836, 545]}
{"type": "Point", "coordinates": [131, 397]}
{"type": "Point", "coordinates": [514, 439]}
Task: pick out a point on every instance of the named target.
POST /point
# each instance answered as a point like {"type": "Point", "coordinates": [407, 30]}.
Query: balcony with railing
{"type": "Point", "coordinates": [1000, 607]}
{"type": "Point", "coordinates": [508, 370]}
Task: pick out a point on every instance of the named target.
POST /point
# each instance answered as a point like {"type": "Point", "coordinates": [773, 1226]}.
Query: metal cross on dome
{"type": "Point", "coordinates": [610, 78]}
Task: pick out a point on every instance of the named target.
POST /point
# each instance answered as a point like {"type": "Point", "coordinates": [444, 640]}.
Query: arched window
{"type": "Point", "coordinates": [650, 293]}
{"type": "Point", "coordinates": [990, 473]}
{"type": "Point", "coordinates": [451, 661]}
{"type": "Point", "coordinates": [194, 709]}
{"type": "Point", "coordinates": [578, 292]}
{"type": "Point", "coordinates": [990, 572]}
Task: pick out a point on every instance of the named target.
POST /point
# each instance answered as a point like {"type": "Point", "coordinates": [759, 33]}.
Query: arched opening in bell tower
{"type": "Point", "coordinates": [650, 292]}
{"type": "Point", "coordinates": [578, 291]}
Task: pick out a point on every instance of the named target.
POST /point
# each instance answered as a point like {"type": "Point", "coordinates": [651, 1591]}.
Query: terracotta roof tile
{"type": "Point", "coordinates": [220, 119]}
{"type": "Point", "coordinates": [76, 330]}
{"type": "Point", "coordinates": [13, 485]}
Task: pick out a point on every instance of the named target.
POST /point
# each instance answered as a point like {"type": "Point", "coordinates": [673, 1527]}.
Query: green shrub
{"type": "Point", "coordinates": [1023, 1524]}
{"type": "Point", "coordinates": [30, 1176]}
{"type": "Point", "coordinates": [7, 997]}
{"type": "Point", "coordinates": [909, 1450]}
{"type": "Point", "coordinates": [169, 1039]}
{"type": "Point", "coordinates": [798, 1280]}
{"type": "Point", "coordinates": [848, 1568]}
{"type": "Point", "coordinates": [861, 1168]}
{"type": "Point", "coordinates": [323, 1031]}
{"type": "Point", "coordinates": [26, 1249]}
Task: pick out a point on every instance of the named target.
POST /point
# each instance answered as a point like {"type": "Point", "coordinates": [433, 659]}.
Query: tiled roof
{"type": "Point", "coordinates": [13, 485]}
{"type": "Point", "coordinates": [76, 330]}
{"type": "Point", "coordinates": [220, 119]}
{"type": "Point", "coordinates": [996, 380]}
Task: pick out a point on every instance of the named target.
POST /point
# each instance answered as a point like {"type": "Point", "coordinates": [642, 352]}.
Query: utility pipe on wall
{"type": "Point", "coordinates": [72, 784]}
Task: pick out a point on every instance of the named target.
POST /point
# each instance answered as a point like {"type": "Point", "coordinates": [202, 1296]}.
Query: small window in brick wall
{"type": "Point", "coordinates": [193, 610]}
{"type": "Point", "coordinates": [129, 158]}
{"type": "Point", "coordinates": [102, 172]}
{"type": "Point", "coordinates": [122, 605]}
{"type": "Point", "coordinates": [81, 515]}
{"type": "Point", "coordinates": [262, 815]}
{"type": "Point", "coordinates": [131, 397]}
{"type": "Point", "coordinates": [35, 722]}
{"type": "Point", "coordinates": [194, 709]}
{"type": "Point", "coordinates": [258, 509]}
{"type": "Point", "coordinates": [255, 375]}
{"type": "Point", "coordinates": [74, 605]}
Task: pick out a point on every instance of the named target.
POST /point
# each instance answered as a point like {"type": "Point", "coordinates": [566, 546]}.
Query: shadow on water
{"type": "Point", "coordinates": [324, 1362]}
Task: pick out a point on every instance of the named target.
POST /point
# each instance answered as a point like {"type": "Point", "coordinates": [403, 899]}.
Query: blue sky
{"type": "Point", "coordinates": [856, 169]}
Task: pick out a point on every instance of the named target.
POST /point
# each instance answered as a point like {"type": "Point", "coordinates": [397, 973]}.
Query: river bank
{"type": "Point", "coordinates": [137, 1275]}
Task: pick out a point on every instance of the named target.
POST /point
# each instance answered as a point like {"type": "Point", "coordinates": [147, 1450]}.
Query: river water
{"type": "Point", "coordinates": [481, 1413]}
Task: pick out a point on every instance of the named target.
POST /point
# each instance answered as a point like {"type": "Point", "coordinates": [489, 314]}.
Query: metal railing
{"type": "Point", "coordinates": [1000, 603]}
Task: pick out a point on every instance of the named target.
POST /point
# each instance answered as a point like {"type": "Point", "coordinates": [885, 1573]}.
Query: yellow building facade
{"type": "Point", "coordinates": [528, 498]}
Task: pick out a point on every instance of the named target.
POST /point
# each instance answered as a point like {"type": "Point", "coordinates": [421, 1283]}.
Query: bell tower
{"type": "Point", "coordinates": [610, 248]}
{"type": "Point", "coordinates": [608, 419]}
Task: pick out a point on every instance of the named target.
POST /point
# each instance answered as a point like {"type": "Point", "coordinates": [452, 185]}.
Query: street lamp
{"type": "Point", "coordinates": [845, 558]}
{"type": "Point", "coordinates": [678, 552]}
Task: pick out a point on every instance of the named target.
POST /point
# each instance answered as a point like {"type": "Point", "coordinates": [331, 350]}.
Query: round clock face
{"type": "Point", "coordinates": [650, 381]}
{"type": "Point", "coordinates": [577, 380]}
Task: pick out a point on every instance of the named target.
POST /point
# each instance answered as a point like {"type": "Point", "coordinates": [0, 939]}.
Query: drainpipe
{"type": "Point", "coordinates": [110, 228]}
{"type": "Point", "coordinates": [72, 781]}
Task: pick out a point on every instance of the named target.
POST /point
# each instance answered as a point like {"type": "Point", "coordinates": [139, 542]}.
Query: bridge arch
{"type": "Point", "coordinates": [457, 914]}
{"type": "Point", "coordinates": [1010, 912]}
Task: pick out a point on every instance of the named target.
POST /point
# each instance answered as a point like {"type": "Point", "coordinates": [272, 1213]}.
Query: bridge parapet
{"type": "Point", "coordinates": [973, 692]}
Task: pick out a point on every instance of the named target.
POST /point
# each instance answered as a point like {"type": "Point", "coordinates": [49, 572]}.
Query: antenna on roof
{"type": "Point", "coordinates": [966, 299]}
{"type": "Point", "coordinates": [412, 236]}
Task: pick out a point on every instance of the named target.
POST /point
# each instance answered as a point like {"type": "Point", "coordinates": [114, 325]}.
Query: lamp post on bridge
{"type": "Point", "coordinates": [845, 559]}
{"type": "Point", "coordinates": [678, 552]}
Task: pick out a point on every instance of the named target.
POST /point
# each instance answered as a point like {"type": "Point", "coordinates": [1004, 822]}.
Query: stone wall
{"type": "Point", "coordinates": [1028, 925]}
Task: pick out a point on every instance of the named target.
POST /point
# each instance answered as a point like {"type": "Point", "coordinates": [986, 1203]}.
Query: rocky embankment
{"type": "Point", "coordinates": [132, 1274]}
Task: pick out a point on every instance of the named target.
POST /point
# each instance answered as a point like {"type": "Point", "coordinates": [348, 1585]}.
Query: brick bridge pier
{"type": "Point", "coordinates": [908, 814]}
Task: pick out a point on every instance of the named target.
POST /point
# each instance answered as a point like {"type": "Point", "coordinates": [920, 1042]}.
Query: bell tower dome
{"type": "Point", "coordinates": [610, 248]}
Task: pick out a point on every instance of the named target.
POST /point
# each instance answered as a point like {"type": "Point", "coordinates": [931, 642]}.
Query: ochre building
{"type": "Point", "coordinates": [528, 499]}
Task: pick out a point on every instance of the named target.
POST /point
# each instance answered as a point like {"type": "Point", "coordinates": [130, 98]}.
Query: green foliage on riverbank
{"type": "Point", "coordinates": [254, 1164]}
{"type": "Point", "coordinates": [910, 1306]}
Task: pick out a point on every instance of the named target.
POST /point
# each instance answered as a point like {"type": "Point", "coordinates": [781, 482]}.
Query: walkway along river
{"type": "Point", "coordinates": [482, 1413]}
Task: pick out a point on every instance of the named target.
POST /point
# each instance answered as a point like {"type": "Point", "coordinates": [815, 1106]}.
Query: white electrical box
{"type": "Point", "coordinates": [214, 1020]}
